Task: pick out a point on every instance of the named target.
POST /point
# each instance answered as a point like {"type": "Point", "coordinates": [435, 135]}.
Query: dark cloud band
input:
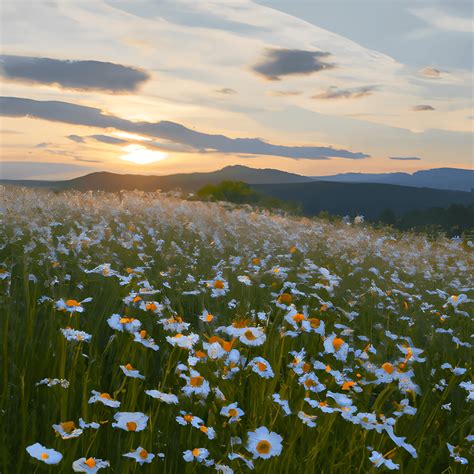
{"type": "Point", "coordinates": [80, 75]}
{"type": "Point", "coordinates": [405, 158]}
{"type": "Point", "coordinates": [354, 93]}
{"type": "Point", "coordinates": [284, 62]}
{"type": "Point", "coordinates": [80, 115]}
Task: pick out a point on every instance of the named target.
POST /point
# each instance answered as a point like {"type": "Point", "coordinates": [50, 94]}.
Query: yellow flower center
{"type": "Point", "coordinates": [263, 447]}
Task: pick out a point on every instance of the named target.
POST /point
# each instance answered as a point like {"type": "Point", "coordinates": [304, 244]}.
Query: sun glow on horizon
{"type": "Point", "coordinates": [141, 155]}
{"type": "Point", "coordinates": [131, 136]}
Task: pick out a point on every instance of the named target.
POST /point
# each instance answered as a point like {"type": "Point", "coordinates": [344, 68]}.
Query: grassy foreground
{"type": "Point", "coordinates": [267, 343]}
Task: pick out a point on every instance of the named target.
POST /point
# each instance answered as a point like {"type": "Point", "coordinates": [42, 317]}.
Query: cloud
{"type": "Point", "coordinates": [404, 158]}
{"type": "Point", "coordinates": [40, 170]}
{"type": "Point", "coordinates": [69, 74]}
{"type": "Point", "coordinates": [422, 108]}
{"type": "Point", "coordinates": [286, 62]}
{"type": "Point", "coordinates": [42, 145]}
{"type": "Point", "coordinates": [430, 72]}
{"type": "Point", "coordinates": [442, 20]}
{"type": "Point", "coordinates": [76, 138]}
{"type": "Point", "coordinates": [284, 93]}
{"type": "Point", "coordinates": [354, 93]}
{"type": "Point", "coordinates": [108, 140]}
{"type": "Point", "coordinates": [66, 112]}
{"type": "Point", "coordinates": [226, 90]}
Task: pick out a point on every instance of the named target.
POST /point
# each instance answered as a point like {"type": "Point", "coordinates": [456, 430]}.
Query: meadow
{"type": "Point", "coordinates": [143, 333]}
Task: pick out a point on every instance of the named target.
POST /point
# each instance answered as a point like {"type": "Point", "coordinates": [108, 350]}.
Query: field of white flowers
{"type": "Point", "coordinates": [141, 333]}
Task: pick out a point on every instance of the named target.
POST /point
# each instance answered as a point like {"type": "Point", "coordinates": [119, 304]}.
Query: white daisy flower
{"type": "Point", "coordinates": [263, 443]}
{"type": "Point", "coordinates": [46, 455]}
{"type": "Point", "coordinates": [130, 421]}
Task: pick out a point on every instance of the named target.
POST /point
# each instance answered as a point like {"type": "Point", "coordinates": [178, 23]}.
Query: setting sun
{"type": "Point", "coordinates": [141, 155]}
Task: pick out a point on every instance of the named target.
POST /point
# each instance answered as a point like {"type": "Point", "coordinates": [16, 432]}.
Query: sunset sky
{"type": "Point", "coordinates": [159, 87]}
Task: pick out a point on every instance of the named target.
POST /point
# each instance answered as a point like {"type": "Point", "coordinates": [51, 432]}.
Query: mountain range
{"type": "Point", "coordinates": [349, 193]}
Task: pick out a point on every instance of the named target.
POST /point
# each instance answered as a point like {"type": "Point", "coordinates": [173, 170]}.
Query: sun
{"type": "Point", "coordinates": [141, 155]}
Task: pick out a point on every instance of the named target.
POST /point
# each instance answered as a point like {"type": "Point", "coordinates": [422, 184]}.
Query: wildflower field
{"type": "Point", "coordinates": [142, 333]}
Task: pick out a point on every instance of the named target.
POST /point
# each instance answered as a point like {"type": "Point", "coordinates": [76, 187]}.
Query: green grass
{"type": "Point", "coordinates": [56, 237]}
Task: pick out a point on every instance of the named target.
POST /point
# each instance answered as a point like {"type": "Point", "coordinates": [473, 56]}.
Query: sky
{"type": "Point", "coordinates": [315, 87]}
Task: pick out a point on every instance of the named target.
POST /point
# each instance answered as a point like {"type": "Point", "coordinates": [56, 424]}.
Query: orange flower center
{"type": "Point", "coordinates": [200, 354]}
{"type": "Point", "coordinates": [218, 285]}
{"type": "Point", "coordinates": [256, 261]}
{"type": "Point", "coordinates": [285, 298]}
{"type": "Point", "coordinates": [90, 462]}
{"type": "Point", "coordinates": [209, 318]}
{"type": "Point", "coordinates": [129, 367]}
{"type": "Point", "coordinates": [204, 429]}
{"type": "Point", "coordinates": [388, 367]}
{"type": "Point", "coordinates": [261, 366]}
{"type": "Point", "coordinates": [233, 412]}
{"type": "Point", "coordinates": [72, 303]}
{"type": "Point", "coordinates": [337, 343]}
{"type": "Point", "coordinates": [106, 396]}
{"type": "Point", "coordinates": [44, 455]}
{"type": "Point", "coordinates": [196, 452]}
{"type": "Point", "coordinates": [131, 426]}
{"type": "Point", "coordinates": [196, 381]}
{"type": "Point", "coordinates": [314, 322]}
{"type": "Point", "coordinates": [143, 334]}
{"type": "Point", "coordinates": [298, 317]}
{"type": "Point", "coordinates": [188, 418]}
{"type": "Point", "coordinates": [143, 454]}
{"type": "Point", "coordinates": [306, 367]}
{"type": "Point", "coordinates": [68, 426]}
{"type": "Point", "coordinates": [263, 447]}
{"type": "Point", "coordinates": [348, 385]}
{"type": "Point", "coordinates": [150, 307]}
{"type": "Point", "coordinates": [249, 335]}
{"type": "Point", "coordinates": [125, 320]}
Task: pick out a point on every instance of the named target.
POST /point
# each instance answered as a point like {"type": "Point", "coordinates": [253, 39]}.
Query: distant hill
{"type": "Point", "coordinates": [369, 199]}
{"type": "Point", "coordinates": [186, 181]}
{"type": "Point", "coordinates": [438, 178]}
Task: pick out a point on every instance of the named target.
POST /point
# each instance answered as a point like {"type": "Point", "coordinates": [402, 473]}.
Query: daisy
{"type": "Point", "coordinates": [140, 455]}
{"type": "Point", "coordinates": [337, 346]}
{"type": "Point", "coordinates": [214, 350]}
{"type": "Point", "coordinates": [122, 324]}
{"type": "Point", "coordinates": [52, 382]}
{"type": "Point", "coordinates": [253, 336]}
{"type": "Point", "coordinates": [129, 371]}
{"type": "Point", "coordinates": [188, 419]}
{"type": "Point", "coordinates": [185, 342]}
{"type": "Point", "coordinates": [378, 460]}
{"type": "Point", "coordinates": [74, 335]}
{"type": "Point", "coordinates": [71, 306]}
{"type": "Point", "coordinates": [196, 384]}
{"type": "Point", "coordinates": [308, 420]}
{"type": "Point", "coordinates": [283, 403]}
{"type": "Point", "coordinates": [85, 425]}
{"type": "Point", "coordinates": [90, 465]}
{"type": "Point", "coordinates": [103, 398]}
{"type": "Point", "coordinates": [261, 367]}
{"type": "Point", "coordinates": [142, 338]}
{"type": "Point", "coordinates": [263, 443]}
{"type": "Point", "coordinates": [174, 324]}
{"type": "Point", "coordinates": [197, 454]}
{"type": "Point", "coordinates": [47, 455]}
{"type": "Point", "coordinates": [168, 398]}
{"type": "Point", "coordinates": [233, 412]}
{"type": "Point", "coordinates": [206, 316]}
{"type": "Point", "coordinates": [130, 421]}
{"type": "Point", "coordinates": [67, 430]}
